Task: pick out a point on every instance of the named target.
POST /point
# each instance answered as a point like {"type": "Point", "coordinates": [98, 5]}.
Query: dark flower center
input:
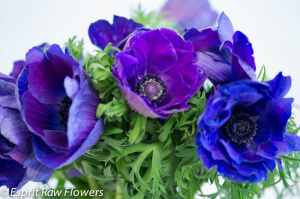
{"type": "Point", "coordinates": [151, 87]}
{"type": "Point", "coordinates": [240, 128]}
{"type": "Point", "coordinates": [63, 113]}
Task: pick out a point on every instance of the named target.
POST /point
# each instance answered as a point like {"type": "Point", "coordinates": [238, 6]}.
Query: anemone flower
{"type": "Point", "coordinates": [58, 103]}
{"type": "Point", "coordinates": [243, 129]}
{"type": "Point", "coordinates": [157, 74]}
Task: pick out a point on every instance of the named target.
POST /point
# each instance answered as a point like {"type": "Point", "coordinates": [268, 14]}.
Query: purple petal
{"type": "Point", "coordinates": [102, 32]}
{"type": "Point", "coordinates": [71, 87]}
{"type": "Point", "coordinates": [46, 73]}
{"type": "Point", "coordinates": [17, 69]}
{"type": "Point", "coordinates": [35, 171]}
{"type": "Point", "coordinates": [54, 159]}
{"type": "Point", "coordinates": [217, 72]}
{"type": "Point", "coordinates": [225, 29]}
{"type": "Point", "coordinates": [206, 40]}
{"type": "Point", "coordinates": [185, 67]}
{"type": "Point", "coordinates": [11, 173]}
{"type": "Point", "coordinates": [7, 78]}
{"type": "Point", "coordinates": [139, 104]}
{"type": "Point", "coordinates": [126, 68]}
{"type": "Point", "coordinates": [156, 54]}
{"type": "Point", "coordinates": [57, 139]}
{"type": "Point", "coordinates": [190, 13]}
{"type": "Point", "coordinates": [241, 70]}
{"type": "Point", "coordinates": [177, 93]}
{"type": "Point", "coordinates": [176, 40]}
{"type": "Point", "coordinates": [15, 130]}
{"type": "Point", "coordinates": [7, 94]}
{"type": "Point", "coordinates": [40, 117]}
{"type": "Point", "coordinates": [82, 111]}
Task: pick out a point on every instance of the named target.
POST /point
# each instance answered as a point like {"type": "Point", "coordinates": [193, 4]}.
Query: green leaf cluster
{"type": "Point", "coordinates": [153, 19]}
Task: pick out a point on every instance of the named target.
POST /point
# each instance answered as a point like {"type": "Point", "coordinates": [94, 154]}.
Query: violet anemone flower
{"type": "Point", "coordinates": [157, 74]}
{"type": "Point", "coordinates": [58, 103]}
{"type": "Point", "coordinates": [18, 165]}
{"type": "Point", "coordinates": [243, 129]}
{"type": "Point", "coordinates": [225, 55]}
{"type": "Point", "coordinates": [102, 32]}
{"type": "Point", "coordinates": [190, 13]}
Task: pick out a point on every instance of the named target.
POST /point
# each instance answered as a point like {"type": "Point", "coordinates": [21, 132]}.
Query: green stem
{"type": "Point", "coordinates": [119, 192]}
{"type": "Point", "coordinates": [92, 182]}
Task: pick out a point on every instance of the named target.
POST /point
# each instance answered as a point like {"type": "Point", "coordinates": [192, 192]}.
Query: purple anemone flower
{"type": "Point", "coordinates": [243, 129]}
{"type": "Point", "coordinates": [18, 165]}
{"type": "Point", "coordinates": [190, 13]}
{"type": "Point", "coordinates": [58, 103]}
{"type": "Point", "coordinates": [225, 55]}
{"type": "Point", "coordinates": [157, 74]}
{"type": "Point", "coordinates": [102, 32]}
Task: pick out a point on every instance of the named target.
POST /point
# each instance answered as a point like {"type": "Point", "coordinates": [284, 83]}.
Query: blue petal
{"type": "Point", "coordinates": [279, 86]}
{"type": "Point", "coordinates": [242, 48]}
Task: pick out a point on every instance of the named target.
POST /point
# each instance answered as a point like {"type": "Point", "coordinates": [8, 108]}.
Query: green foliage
{"type": "Point", "coordinates": [152, 19]}
{"type": "Point", "coordinates": [262, 76]}
{"type": "Point", "coordinates": [75, 47]}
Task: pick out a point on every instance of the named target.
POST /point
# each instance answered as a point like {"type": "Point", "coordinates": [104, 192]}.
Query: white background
{"type": "Point", "coordinates": [271, 25]}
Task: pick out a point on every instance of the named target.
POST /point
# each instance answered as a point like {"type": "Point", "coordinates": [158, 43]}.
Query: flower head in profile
{"type": "Point", "coordinates": [18, 165]}
{"type": "Point", "coordinates": [190, 13]}
{"type": "Point", "coordinates": [59, 106]}
{"type": "Point", "coordinates": [225, 55]}
{"type": "Point", "coordinates": [157, 74]}
{"type": "Point", "coordinates": [243, 129]}
{"type": "Point", "coordinates": [102, 32]}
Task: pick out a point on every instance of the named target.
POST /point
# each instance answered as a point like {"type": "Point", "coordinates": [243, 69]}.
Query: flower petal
{"type": "Point", "coordinates": [46, 73]}
{"type": "Point", "coordinates": [217, 72]}
{"type": "Point", "coordinates": [17, 69]}
{"type": "Point", "coordinates": [155, 53]}
{"type": "Point", "coordinates": [225, 28]}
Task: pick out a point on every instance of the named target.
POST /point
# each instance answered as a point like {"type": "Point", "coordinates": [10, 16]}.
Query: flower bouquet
{"type": "Point", "coordinates": [164, 106]}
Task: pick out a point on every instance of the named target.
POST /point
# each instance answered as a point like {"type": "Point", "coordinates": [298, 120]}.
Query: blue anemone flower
{"type": "Point", "coordinates": [243, 129]}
